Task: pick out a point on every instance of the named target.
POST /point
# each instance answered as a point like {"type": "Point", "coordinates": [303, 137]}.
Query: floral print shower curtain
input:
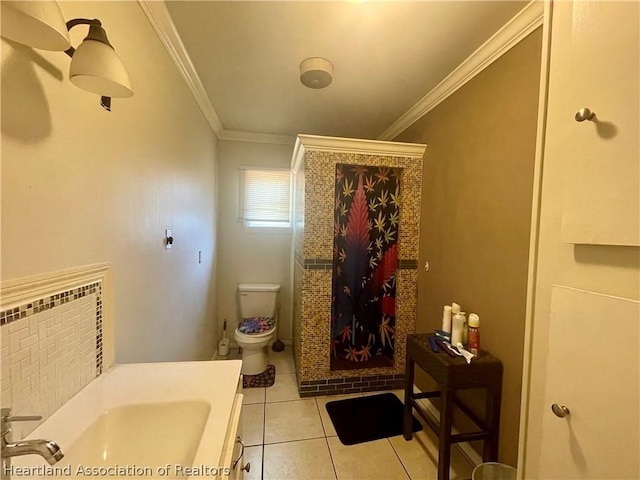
{"type": "Point", "coordinates": [365, 259]}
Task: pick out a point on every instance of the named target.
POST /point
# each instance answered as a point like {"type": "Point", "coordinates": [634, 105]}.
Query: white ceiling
{"type": "Point", "coordinates": [386, 57]}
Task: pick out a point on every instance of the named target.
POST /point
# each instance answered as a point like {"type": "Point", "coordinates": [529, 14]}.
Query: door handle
{"type": "Point", "coordinates": [237, 460]}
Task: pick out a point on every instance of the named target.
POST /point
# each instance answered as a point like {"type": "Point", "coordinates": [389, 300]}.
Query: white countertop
{"type": "Point", "coordinates": [213, 382]}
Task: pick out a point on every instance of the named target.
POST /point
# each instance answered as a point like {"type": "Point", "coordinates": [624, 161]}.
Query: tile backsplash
{"type": "Point", "coordinates": [51, 348]}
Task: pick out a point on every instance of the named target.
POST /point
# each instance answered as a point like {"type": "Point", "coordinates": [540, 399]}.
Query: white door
{"type": "Point", "coordinates": [584, 350]}
{"type": "Point", "coordinates": [601, 41]}
{"type": "Point", "coordinates": [594, 371]}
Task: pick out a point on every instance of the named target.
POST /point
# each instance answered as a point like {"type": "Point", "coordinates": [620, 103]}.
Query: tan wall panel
{"type": "Point", "coordinates": [476, 210]}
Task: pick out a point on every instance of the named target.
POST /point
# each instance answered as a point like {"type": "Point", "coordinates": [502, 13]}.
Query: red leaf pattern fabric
{"type": "Point", "coordinates": [366, 220]}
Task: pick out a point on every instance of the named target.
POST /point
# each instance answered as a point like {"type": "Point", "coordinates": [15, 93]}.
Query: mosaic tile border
{"type": "Point", "coordinates": [36, 306]}
{"type": "Point", "coordinates": [327, 264]}
{"type": "Point", "coordinates": [318, 263]}
{"type": "Point", "coordinates": [408, 265]}
{"type": "Point", "coordinates": [339, 386]}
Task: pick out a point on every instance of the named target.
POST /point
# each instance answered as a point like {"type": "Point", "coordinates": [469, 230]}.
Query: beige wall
{"type": "Point", "coordinates": [476, 210]}
{"type": "Point", "coordinates": [82, 186]}
{"type": "Point", "coordinates": [250, 256]}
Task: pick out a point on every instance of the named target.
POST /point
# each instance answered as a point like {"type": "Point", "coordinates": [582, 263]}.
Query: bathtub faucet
{"type": "Point", "coordinates": [47, 449]}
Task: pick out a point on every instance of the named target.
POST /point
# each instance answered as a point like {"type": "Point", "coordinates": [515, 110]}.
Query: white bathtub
{"type": "Point", "coordinates": [144, 421]}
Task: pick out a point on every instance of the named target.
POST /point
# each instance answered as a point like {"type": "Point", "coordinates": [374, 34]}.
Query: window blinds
{"type": "Point", "coordinates": [266, 197]}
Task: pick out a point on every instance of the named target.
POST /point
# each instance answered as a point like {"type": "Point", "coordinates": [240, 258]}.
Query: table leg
{"type": "Point", "coordinates": [492, 420]}
{"type": "Point", "coordinates": [444, 449]}
{"type": "Point", "coordinates": [407, 428]}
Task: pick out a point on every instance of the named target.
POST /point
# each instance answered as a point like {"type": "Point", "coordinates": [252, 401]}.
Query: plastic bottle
{"type": "Point", "coordinates": [465, 329]}
{"type": "Point", "coordinates": [474, 334]}
{"type": "Point", "coordinates": [459, 321]}
{"type": "Point", "coordinates": [446, 319]}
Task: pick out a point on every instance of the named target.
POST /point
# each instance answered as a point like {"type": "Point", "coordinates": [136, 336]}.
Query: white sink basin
{"type": "Point", "coordinates": [143, 415]}
{"type": "Point", "coordinates": [150, 435]}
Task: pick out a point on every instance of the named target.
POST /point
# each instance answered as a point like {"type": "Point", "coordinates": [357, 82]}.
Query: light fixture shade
{"type": "Point", "coordinates": [96, 68]}
{"type": "Point", "coordinates": [38, 24]}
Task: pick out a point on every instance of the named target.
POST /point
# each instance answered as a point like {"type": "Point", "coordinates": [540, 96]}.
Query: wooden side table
{"type": "Point", "coordinates": [452, 374]}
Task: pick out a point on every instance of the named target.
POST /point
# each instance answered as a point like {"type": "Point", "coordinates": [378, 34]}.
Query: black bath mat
{"type": "Point", "coordinates": [364, 419]}
{"type": "Point", "coordinates": [264, 379]}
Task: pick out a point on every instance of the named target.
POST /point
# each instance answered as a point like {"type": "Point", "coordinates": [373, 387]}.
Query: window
{"type": "Point", "coordinates": [265, 198]}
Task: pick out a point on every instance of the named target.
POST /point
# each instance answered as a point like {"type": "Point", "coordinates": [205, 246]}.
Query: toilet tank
{"type": "Point", "coordinates": [258, 299]}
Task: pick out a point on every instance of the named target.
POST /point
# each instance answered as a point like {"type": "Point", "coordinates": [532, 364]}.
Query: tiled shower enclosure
{"type": "Point", "coordinates": [315, 164]}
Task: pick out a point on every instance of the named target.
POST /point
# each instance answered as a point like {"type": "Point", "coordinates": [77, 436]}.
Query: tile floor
{"type": "Point", "coordinates": [292, 438]}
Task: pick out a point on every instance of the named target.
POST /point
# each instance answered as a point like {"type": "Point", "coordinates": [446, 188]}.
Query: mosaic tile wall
{"type": "Point", "coordinates": [51, 348]}
{"type": "Point", "coordinates": [298, 227]}
{"type": "Point", "coordinates": [298, 272]}
{"type": "Point", "coordinates": [312, 275]}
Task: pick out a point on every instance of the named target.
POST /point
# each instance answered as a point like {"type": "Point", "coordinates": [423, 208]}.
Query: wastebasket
{"type": "Point", "coordinates": [493, 471]}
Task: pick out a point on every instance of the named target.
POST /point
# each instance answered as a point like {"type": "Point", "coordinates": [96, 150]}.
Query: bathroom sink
{"type": "Point", "coordinates": [147, 415]}
{"type": "Point", "coordinates": [147, 435]}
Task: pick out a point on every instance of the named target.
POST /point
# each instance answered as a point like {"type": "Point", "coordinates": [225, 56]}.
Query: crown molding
{"type": "Point", "coordinates": [255, 137]}
{"type": "Point", "coordinates": [160, 19]}
{"type": "Point", "coordinates": [525, 22]}
{"type": "Point", "coordinates": [158, 15]}
{"type": "Point", "coordinates": [307, 143]}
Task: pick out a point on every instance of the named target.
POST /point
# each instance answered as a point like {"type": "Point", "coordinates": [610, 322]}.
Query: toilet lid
{"type": "Point", "coordinates": [255, 325]}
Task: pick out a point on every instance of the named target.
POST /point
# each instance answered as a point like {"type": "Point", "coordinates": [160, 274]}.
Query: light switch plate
{"type": "Point", "coordinates": [168, 239]}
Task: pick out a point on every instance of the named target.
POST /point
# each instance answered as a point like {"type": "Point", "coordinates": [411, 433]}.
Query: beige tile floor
{"type": "Point", "coordinates": [292, 438]}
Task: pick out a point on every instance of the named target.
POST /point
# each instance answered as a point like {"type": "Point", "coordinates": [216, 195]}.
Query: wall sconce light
{"type": "Point", "coordinates": [95, 66]}
{"type": "Point", "coordinates": [36, 24]}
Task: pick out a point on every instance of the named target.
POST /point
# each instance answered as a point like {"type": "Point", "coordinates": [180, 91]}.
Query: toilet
{"type": "Point", "coordinates": [257, 327]}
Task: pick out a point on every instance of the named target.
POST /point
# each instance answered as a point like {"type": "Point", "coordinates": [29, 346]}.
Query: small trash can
{"type": "Point", "coordinates": [493, 471]}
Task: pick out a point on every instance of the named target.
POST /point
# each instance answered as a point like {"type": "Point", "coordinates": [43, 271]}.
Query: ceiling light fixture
{"type": "Point", "coordinates": [95, 66]}
{"type": "Point", "coordinates": [316, 72]}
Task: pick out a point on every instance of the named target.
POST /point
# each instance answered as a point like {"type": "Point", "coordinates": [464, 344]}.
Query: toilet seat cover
{"type": "Point", "coordinates": [255, 325]}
